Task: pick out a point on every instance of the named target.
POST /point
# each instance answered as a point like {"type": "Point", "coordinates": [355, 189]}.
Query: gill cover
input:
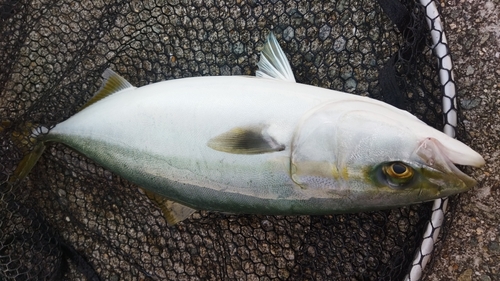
{"type": "Point", "coordinates": [315, 159]}
{"type": "Point", "coordinates": [333, 140]}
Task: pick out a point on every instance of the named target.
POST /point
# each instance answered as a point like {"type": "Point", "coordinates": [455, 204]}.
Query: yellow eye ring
{"type": "Point", "coordinates": [396, 175]}
{"type": "Point", "coordinates": [398, 170]}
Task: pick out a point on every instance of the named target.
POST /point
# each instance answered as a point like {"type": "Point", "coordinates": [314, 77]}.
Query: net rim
{"type": "Point", "coordinates": [449, 105]}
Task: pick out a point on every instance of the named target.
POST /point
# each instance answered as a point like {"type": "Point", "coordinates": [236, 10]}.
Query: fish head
{"type": "Point", "coordinates": [377, 156]}
{"type": "Point", "coordinates": [426, 174]}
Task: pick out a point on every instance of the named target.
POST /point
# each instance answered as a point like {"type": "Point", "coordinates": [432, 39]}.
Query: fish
{"type": "Point", "coordinates": [261, 144]}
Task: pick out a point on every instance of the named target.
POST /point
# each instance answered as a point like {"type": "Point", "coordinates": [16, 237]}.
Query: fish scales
{"type": "Point", "coordinates": [156, 136]}
{"type": "Point", "coordinates": [261, 145]}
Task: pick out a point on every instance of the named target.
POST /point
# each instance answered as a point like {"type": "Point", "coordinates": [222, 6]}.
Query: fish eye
{"type": "Point", "coordinates": [398, 170]}
{"type": "Point", "coordinates": [397, 174]}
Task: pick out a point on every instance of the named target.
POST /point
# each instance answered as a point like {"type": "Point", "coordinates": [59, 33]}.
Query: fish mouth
{"type": "Point", "coordinates": [441, 170]}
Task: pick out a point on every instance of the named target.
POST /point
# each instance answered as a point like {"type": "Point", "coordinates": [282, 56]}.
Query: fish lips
{"type": "Point", "coordinates": [440, 171]}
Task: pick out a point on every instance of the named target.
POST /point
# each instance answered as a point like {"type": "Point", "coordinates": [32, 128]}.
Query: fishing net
{"type": "Point", "coordinates": [73, 220]}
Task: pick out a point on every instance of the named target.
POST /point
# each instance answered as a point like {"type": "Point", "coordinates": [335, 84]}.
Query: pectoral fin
{"type": "Point", "coordinates": [172, 211]}
{"type": "Point", "coordinates": [245, 140]}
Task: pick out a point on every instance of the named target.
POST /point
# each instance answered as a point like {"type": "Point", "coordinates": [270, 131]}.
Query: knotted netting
{"type": "Point", "coordinates": [73, 220]}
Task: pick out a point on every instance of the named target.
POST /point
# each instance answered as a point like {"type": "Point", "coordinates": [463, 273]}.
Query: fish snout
{"type": "Point", "coordinates": [440, 162]}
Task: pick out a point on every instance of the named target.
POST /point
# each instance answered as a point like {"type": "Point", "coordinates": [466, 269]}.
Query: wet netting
{"type": "Point", "coordinates": [72, 220]}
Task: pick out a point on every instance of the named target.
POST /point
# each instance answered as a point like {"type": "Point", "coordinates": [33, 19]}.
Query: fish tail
{"type": "Point", "coordinates": [27, 163]}
{"type": "Point", "coordinates": [28, 139]}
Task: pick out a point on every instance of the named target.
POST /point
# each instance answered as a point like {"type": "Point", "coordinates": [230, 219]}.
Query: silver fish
{"type": "Point", "coordinates": [263, 145]}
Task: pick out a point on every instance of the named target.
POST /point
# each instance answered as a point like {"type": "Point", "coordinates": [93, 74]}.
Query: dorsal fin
{"type": "Point", "coordinates": [113, 83]}
{"type": "Point", "coordinates": [273, 62]}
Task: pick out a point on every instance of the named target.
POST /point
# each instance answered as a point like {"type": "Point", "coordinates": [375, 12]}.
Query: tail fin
{"type": "Point", "coordinates": [27, 163]}
{"type": "Point", "coordinates": [26, 138]}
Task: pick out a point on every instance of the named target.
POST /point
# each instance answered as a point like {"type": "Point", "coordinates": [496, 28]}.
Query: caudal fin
{"type": "Point", "coordinates": [26, 138]}
{"type": "Point", "coordinates": [27, 163]}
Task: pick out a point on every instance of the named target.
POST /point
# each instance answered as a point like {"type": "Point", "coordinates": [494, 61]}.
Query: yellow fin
{"type": "Point", "coordinates": [25, 138]}
{"type": "Point", "coordinates": [172, 211]}
{"type": "Point", "coordinates": [246, 140]}
{"type": "Point", "coordinates": [27, 163]}
{"type": "Point", "coordinates": [113, 83]}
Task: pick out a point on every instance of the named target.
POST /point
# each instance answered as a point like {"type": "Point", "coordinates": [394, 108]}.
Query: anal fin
{"type": "Point", "coordinates": [172, 211]}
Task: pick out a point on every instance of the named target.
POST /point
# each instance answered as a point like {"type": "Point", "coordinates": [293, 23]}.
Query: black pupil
{"type": "Point", "coordinates": [398, 168]}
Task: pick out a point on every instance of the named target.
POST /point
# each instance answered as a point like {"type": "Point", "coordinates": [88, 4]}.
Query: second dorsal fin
{"type": "Point", "coordinates": [273, 62]}
{"type": "Point", "coordinates": [113, 83]}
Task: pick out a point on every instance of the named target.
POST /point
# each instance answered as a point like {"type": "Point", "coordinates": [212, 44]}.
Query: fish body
{"type": "Point", "coordinates": [265, 145]}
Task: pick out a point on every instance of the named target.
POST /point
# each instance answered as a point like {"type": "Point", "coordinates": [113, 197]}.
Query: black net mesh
{"type": "Point", "coordinates": [73, 220]}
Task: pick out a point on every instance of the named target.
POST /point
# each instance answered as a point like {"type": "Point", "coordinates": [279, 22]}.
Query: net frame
{"type": "Point", "coordinates": [449, 104]}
